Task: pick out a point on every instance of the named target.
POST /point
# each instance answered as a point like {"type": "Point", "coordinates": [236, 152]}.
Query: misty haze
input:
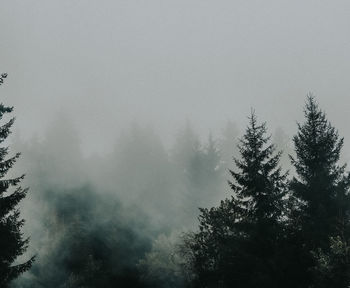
{"type": "Point", "coordinates": [174, 144]}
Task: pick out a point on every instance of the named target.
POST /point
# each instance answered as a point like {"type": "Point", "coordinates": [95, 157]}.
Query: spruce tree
{"type": "Point", "coordinates": [321, 184]}
{"type": "Point", "coordinates": [259, 184]}
{"type": "Point", "coordinates": [321, 190]}
{"type": "Point", "coordinates": [237, 243]}
{"type": "Point", "coordinates": [12, 242]}
{"type": "Point", "coordinates": [260, 187]}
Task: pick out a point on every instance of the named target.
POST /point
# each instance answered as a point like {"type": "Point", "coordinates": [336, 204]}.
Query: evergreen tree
{"type": "Point", "coordinates": [187, 159]}
{"type": "Point", "coordinates": [12, 242]}
{"type": "Point", "coordinates": [205, 174]}
{"type": "Point", "coordinates": [236, 245]}
{"type": "Point", "coordinates": [186, 148]}
{"type": "Point", "coordinates": [260, 188]}
{"type": "Point", "coordinates": [228, 144]}
{"type": "Point", "coordinates": [259, 184]}
{"type": "Point", "coordinates": [321, 187]}
{"type": "Point", "coordinates": [317, 147]}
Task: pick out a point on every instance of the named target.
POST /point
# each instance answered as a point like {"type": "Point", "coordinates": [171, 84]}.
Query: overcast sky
{"type": "Point", "coordinates": [108, 63]}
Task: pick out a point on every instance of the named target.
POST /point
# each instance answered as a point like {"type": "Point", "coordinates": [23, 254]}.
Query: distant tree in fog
{"type": "Point", "coordinates": [187, 145]}
{"type": "Point", "coordinates": [12, 242]}
{"type": "Point", "coordinates": [228, 144]}
{"type": "Point", "coordinates": [162, 266]}
{"type": "Point", "coordinates": [199, 171]}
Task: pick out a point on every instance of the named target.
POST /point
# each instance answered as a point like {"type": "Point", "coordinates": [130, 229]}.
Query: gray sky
{"type": "Point", "coordinates": [107, 63]}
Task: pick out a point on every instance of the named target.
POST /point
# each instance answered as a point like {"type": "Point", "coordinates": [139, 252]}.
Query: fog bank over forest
{"type": "Point", "coordinates": [128, 115]}
{"type": "Point", "coordinates": [109, 63]}
{"type": "Point", "coordinates": [133, 203]}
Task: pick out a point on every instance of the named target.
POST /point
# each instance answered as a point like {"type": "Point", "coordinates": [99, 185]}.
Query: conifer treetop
{"type": "Point", "coordinates": [258, 182]}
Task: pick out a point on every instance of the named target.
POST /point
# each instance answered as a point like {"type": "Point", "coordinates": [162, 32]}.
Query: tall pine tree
{"type": "Point", "coordinates": [12, 242]}
{"type": "Point", "coordinates": [259, 184]}
{"type": "Point", "coordinates": [260, 187]}
{"type": "Point", "coordinates": [237, 242]}
{"type": "Point", "coordinates": [321, 188]}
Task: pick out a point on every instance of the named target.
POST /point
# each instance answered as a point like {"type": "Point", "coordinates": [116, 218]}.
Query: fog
{"type": "Point", "coordinates": [128, 115]}
{"type": "Point", "coordinates": [109, 63]}
{"type": "Point", "coordinates": [115, 218]}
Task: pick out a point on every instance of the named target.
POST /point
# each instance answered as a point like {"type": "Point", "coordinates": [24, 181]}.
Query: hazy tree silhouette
{"type": "Point", "coordinates": [321, 187]}
{"type": "Point", "coordinates": [228, 144]}
{"type": "Point", "coordinates": [12, 242]}
{"type": "Point", "coordinates": [237, 241]}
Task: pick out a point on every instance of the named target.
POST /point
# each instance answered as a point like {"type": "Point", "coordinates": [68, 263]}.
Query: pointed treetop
{"type": "Point", "coordinates": [258, 180]}
{"type": "Point", "coordinates": [317, 142]}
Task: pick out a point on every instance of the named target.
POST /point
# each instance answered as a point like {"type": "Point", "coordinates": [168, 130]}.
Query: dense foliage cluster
{"type": "Point", "coordinates": [274, 232]}
{"type": "Point", "coordinates": [89, 229]}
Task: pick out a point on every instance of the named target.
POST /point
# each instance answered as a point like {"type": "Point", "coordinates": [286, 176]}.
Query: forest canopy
{"type": "Point", "coordinates": [172, 144]}
{"type": "Point", "coordinates": [129, 218]}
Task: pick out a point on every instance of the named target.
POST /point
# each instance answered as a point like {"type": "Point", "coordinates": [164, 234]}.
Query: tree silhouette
{"type": "Point", "coordinates": [321, 187]}
{"type": "Point", "coordinates": [12, 242]}
{"type": "Point", "coordinates": [237, 242]}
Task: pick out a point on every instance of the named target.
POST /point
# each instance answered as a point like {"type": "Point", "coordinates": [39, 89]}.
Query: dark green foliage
{"type": "Point", "coordinates": [259, 185]}
{"type": "Point", "coordinates": [320, 189]}
{"type": "Point", "coordinates": [332, 268]}
{"type": "Point", "coordinates": [236, 245]}
{"type": "Point", "coordinates": [321, 184]}
{"type": "Point", "coordinates": [268, 234]}
{"type": "Point", "coordinates": [92, 242]}
{"type": "Point", "coordinates": [210, 250]}
{"type": "Point", "coordinates": [12, 242]}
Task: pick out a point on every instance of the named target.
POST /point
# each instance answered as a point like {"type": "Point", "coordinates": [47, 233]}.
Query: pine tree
{"type": "Point", "coordinates": [12, 242]}
{"type": "Point", "coordinates": [236, 245]}
{"type": "Point", "coordinates": [322, 203]}
{"type": "Point", "coordinates": [259, 184]}
{"type": "Point", "coordinates": [260, 187]}
{"type": "Point", "coordinates": [321, 185]}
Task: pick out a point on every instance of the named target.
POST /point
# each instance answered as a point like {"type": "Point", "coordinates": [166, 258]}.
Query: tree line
{"type": "Point", "coordinates": [276, 230]}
